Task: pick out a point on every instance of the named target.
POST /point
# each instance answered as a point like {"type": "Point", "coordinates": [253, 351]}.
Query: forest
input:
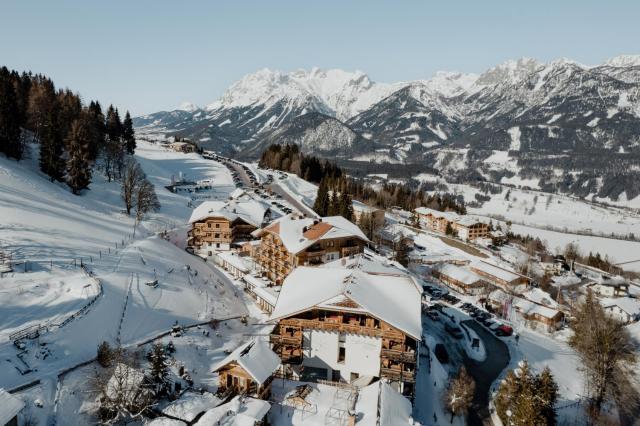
{"type": "Point", "coordinates": [73, 137]}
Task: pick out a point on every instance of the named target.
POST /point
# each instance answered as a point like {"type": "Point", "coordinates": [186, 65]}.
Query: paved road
{"type": "Point", "coordinates": [297, 204]}
{"type": "Point", "coordinates": [486, 372]}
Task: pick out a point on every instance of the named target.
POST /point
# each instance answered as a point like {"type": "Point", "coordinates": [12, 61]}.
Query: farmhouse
{"type": "Point", "coordinates": [292, 241]}
{"type": "Point", "coordinates": [624, 309]}
{"type": "Point", "coordinates": [611, 288]}
{"type": "Point", "coordinates": [510, 306]}
{"type": "Point", "coordinates": [216, 225]}
{"type": "Point", "coordinates": [497, 275]}
{"type": "Point", "coordinates": [184, 147]}
{"type": "Point", "coordinates": [341, 324]}
{"type": "Point", "coordinates": [395, 237]}
{"type": "Point", "coordinates": [460, 279]}
{"type": "Point", "coordinates": [248, 370]}
{"type": "Point", "coordinates": [376, 214]}
{"type": "Point", "coordinates": [468, 228]}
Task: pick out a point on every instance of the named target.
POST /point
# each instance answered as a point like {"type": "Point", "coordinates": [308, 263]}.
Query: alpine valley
{"type": "Point", "coordinates": [558, 127]}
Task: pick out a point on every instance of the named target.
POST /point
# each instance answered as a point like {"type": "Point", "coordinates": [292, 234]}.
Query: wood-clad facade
{"type": "Point", "coordinates": [235, 380]}
{"type": "Point", "coordinates": [276, 262]}
{"type": "Point", "coordinates": [217, 233]}
{"type": "Point", "coordinates": [396, 360]}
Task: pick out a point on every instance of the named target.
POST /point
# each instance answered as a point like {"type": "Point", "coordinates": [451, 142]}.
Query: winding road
{"type": "Point", "coordinates": [486, 372]}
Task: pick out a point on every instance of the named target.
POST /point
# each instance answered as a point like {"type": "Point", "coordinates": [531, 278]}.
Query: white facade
{"type": "Point", "coordinates": [322, 349]}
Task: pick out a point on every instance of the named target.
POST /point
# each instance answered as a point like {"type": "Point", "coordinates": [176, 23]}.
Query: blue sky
{"type": "Point", "coordinates": [148, 55]}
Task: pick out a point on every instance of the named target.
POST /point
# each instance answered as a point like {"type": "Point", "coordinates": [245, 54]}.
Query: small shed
{"type": "Point", "coordinates": [248, 370]}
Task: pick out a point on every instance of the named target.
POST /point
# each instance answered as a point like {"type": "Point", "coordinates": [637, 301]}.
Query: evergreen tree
{"type": "Point", "coordinates": [346, 206]}
{"type": "Point", "coordinates": [51, 148]}
{"type": "Point", "coordinates": [78, 165]}
{"type": "Point", "coordinates": [159, 368]}
{"type": "Point", "coordinates": [10, 140]}
{"type": "Point", "coordinates": [99, 129]}
{"type": "Point", "coordinates": [128, 135]}
{"type": "Point", "coordinates": [334, 207]}
{"type": "Point", "coordinates": [547, 392]}
{"type": "Point", "coordinates": [321, 205]}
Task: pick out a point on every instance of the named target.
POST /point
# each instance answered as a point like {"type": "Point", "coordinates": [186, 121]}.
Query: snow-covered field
{"type": "Point", "coordinates": [47, 226]}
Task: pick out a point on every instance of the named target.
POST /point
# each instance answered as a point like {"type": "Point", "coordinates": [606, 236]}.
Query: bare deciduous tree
{"type": "Point", "coordinates": [460, 393]}
{"type": "Point", "coordinates": [132, 177]}
{"type": "Point", "coordinates": [606, 351]}
{"type": "Point", "coordinates": [146, 201]}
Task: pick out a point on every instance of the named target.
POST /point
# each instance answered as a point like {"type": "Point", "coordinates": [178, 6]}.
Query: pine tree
{"type": "Point", "coordinates": [321, 205]}
{"type": "Point", "coordinates": [78, 165]}
{"type": "Point", "coordinates": [159, 369]}
{"type": "Point", "coordinates": [10, 139]}
{"type": "Point", "coordinates": [99, 129]}
{"type": "Point", "coordinates": [346, 206]}
{"type": "Point", "coordinates": [547, 393]}
{"type": "Point", "coordinates": [51, 148]}
{"type": "Point", "coordinates": [128, 134]}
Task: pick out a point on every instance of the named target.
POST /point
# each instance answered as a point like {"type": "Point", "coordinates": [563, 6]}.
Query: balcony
{"type": "Point", "coordinates": [397, 374]}
{"type": "Point", "coordinates": [286, 340]}
{"type": "Point", "coordinates": [398, 355]}
{"type": "Point", "coordinates": [341, 328]}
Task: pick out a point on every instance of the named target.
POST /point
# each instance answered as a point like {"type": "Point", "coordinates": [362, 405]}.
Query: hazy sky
{"type": "Point", "coordinates": [146, 55]}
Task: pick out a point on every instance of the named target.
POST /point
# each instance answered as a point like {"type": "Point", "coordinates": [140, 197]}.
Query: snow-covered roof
{"type": "Point", "coordinates": [10, 406]}
{"type": "Point", "coordinates": [165, 421]}
{"type": "Point", "coordinates": [394, 299]}
{"type": "Point", "coordinates": [495, 271]}
{"type": "Point", "coordinates": [299, 233]}
{"type": "Point", "coordinates": [469, 220]}
{"type": "Point", "coordinates": [262, 289]}
{"type": "Point", "coordinates": [524, 306]}
{"type": "Point", "coordinates": [236, 261]}
{"type": "Point", "coordinates": [451, 216]}
{"type": "Point", "coordinates": [255, 357]}
{"type": "Point", "coordinates": [395, 231]}
{"type": "Point", "coordinates": [368, 262]}
{"type": "Point", "coordinates": [459, 273]}
{"type": "Point", "coordinates": [250, 211]}
{"type": "Point", "coordinates": [628, 304]}
{"type": "Point", "coordinates": [190, 405]}
{"type": "Point", "coordinates": [237, 193]}
{"type": "Point", "coordinates": [540, 296]}
{"type": "Point", "coordinates": [529, 308]}
{"type": "Point", "coordinates": [240, 411]}
{"type": "Point", "coordinates": [362, 207]}
{"type": "Point", "coordinates": [394, 408]}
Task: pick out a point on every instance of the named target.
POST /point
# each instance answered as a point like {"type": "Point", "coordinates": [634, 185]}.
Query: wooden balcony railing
{"type": "Point", "coordinates": [398, 355]}
{"type": "Point", "coordinates": [342, 328]}
{"type": "Point", "coordinates": [396, 374]}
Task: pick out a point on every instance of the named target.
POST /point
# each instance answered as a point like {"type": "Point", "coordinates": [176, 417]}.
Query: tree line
{"type": "Point", "coordinates": [73, 137]}
{"type": "Point", "coordinates": [333, 183]}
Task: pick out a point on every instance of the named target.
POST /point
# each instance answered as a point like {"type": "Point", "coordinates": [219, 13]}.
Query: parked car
{"type": "Point", "coordinates": [441, 353]}
{"type": "Point", "coordinates": [454, 331]}
{"type": "Point", "coordinates": [504, 330]}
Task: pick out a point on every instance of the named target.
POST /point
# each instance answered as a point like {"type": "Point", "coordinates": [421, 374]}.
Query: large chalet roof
{"type": "Point", "coordinates": [451, 216]}
{"type": "Point", "coordinates": [255, 357]}
{"type": "Point", "coordinates": [299, 233]}
{"type": "Point", "coordinates": [459, 273]}
{"type": "Point", "coordinates": [394, 299]}
{"type": "Point", "coordinates": [10, 406]}
{"type": "Point", "coordinates": [251, 211]}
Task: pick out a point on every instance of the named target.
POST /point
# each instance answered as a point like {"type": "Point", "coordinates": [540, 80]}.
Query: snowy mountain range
{"type": "Point", "coordinates": [545, 118]}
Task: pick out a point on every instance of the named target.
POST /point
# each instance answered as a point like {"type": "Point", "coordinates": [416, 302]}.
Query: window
{"type": "Point", "coordinates": [341, 355]}
{"type": "Point", "coordinates": [217, 236]}
{"type": "Point", "coordinates": [217, 225]}
{"type": "Point", "coordinates": [208, 225]}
